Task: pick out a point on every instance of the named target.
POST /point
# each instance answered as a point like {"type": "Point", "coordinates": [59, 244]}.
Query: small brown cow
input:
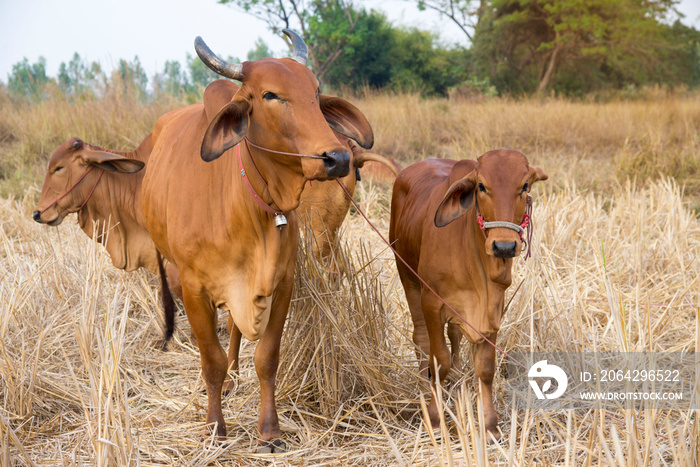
{"type": "Point", "coordinates": [435, 227]}
{"type": "Point", "coordinates": [104, 188]}
{"type": "Point", "coordinates": [212, 196]}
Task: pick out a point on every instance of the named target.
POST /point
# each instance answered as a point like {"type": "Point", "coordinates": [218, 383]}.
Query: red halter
{"type": "Point", "coordinates": [524, 226]}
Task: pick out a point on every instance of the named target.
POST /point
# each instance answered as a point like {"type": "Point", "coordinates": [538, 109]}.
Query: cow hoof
{"type": "Point", "coordinates": [229, 386]}
{"type": "Point", "coordinates": [276, 446]}
{"type": "Point", "coordinates": [493, 436]}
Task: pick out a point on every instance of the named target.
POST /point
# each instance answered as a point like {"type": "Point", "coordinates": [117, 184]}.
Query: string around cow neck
{"type": "Point", "coordinates": [75, 185]}
{"type": "Point", "coordinates": [279, 217]}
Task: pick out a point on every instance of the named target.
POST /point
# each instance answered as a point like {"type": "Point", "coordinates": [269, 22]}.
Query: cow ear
{"type": "Point", "coordinates": [456, 201]}
{"type": "Point", "coordinates": [111, 162]}
{"type": "Point", "coordinates": [347, 120]}
{"type": "Point", "coordinates": [537, 175]}
{"type": "Point", "coordinates": [226, 130]}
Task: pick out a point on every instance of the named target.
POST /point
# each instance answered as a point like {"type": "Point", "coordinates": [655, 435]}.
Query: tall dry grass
{"type": "Point", "coordinates": [591, 144]}
{"type": "Point", "coordinates": [83, 382]}
{"type": "Point", "coordinates": [30, 132]}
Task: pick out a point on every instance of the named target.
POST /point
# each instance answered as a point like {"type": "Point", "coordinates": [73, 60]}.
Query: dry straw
{"type": "Point", "coordinates": [83, 381]}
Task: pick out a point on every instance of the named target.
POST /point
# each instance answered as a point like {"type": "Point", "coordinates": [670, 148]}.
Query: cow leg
{"type": "Point", "coordinates": [234, 347]}
{"type": "Point", "coordinates": [174, 279]}
{"type": "Point", "coordinates": [420, 331]}
{"type": "Point", "coordinates": [267, 355]}
{"type": "Point", "coordinates": [485, 368]}
{"type": "Point", "coordinates": [455, 336]}
{"type": "Point", "coordinates": [202, 316]}
{"type": "Point", "coordinates": [439, 356]}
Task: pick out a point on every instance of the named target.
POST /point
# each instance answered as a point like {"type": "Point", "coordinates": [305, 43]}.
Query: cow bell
{"type": "Point", "coordinates": [280, 221]}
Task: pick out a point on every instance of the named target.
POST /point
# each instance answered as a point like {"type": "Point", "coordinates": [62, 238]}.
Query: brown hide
{"type": "Point", "coordinates": [457, 259]}
{"type": "Point", "coordinates": [202, 216]}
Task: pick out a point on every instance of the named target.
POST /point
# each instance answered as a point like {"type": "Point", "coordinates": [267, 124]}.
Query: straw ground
{"type": "Point", "coordinates": [83, 382]}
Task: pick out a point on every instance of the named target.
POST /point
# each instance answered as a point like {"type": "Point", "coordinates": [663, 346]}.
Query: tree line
{"type": "Point", "coordinates": [571, 47]}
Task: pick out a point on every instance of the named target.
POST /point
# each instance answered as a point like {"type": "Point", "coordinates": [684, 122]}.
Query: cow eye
{"type": "Point", "coordinates": [525, 187]}
{"type": "Point", "coordinates": [268, 96]}
{"type": "Point", "coordinates": [481, 187]}
{"type": "Point", "coordinates": [60, 167]}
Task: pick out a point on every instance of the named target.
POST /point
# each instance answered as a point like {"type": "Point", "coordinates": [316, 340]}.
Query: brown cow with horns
{"type": "Point", "coordinates": [217, 208]}
{"type": "Point", "coordinates": [458, 225]}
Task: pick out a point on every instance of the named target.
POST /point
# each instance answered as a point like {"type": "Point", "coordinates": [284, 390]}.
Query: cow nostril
{"type": "Point", "coordinates": [329, 162]}
{"type": "Point", "coordinates": [504, 249]}
{"type": "Point", "coordinates": [337, 163]}
{"type": "Point", "coordinates": [36, 216]}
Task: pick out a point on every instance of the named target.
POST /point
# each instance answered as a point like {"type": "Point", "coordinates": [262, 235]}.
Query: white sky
{"type": "Point", "coordinates": [161, 30]}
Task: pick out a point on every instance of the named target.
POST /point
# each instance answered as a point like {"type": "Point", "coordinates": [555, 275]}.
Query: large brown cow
{"type": "Point", "coordinates": [104, 188]}
{"type": "Point", "coordinates": [212, 206]}
{"type": "Point", "coordinates": [323, 203]}
{"type": "Point", "coordinates": [437, 209]}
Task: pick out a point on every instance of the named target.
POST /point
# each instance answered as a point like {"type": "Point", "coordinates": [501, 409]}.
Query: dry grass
{"type": "Point", "coordinates": [591, 144]}
{"type": "Point", "coordinates": [84, 382]}
{"type": "Point", "coordinates": [29, 133]}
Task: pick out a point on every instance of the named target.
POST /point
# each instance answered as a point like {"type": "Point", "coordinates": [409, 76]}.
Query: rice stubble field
{"type": "Point", "coordinates": [614, 268]}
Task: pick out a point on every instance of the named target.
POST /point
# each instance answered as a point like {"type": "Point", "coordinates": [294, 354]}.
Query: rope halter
{"type": "Point", "coordinates": [525, 226]}
{"type": "Point", "coordinates": [74, 185]}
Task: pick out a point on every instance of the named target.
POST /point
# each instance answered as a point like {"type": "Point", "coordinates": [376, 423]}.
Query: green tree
{"type": "Point", "coordinates": [528, 44]}
{"type": "Point", "coordinates": [353, 46]}
{"type": "Point", "coordinates": [420, 63]}
{"type": "Point", "coordinates": [261, 50]}
{"type": "Point", "coordinates": [297, 15]}
{"type": "Point", "coordinates": [28, 81]}
{"type": "Point", "coordinates": [78, 78]}
{"type": "Point", "coordinates": [173, 80]}
{"type": "Point", "coordinates": [131, 78]}
{"type": "Point", "coordinates": [200, 74]}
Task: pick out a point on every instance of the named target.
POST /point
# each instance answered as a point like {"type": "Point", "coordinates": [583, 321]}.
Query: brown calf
{"type": "Point", "coordinates": [104, 188]}
{"type": "Point", "coordinates": [435, 228]}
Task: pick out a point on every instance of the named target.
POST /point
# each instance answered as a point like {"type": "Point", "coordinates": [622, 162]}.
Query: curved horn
{"type": "Point", "coordinates": [300, 52]}
{"type": "Point", "coordinates": [213, 61]}
{"type": "Point", "coordinates": [360, 159]}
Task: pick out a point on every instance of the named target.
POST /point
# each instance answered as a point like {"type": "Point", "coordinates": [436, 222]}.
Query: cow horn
{"type": "Point", "coordinates": [300, 52]}
{"type": "Point", "coordinates": [213, 61]}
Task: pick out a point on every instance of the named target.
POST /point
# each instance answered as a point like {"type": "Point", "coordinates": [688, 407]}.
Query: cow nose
{"type": "Point", "coordinates": [337, 163]}
{"type": "Point", "coordinates": [36, 216]}
{"type": "Point", "coordinates": [503, 249]}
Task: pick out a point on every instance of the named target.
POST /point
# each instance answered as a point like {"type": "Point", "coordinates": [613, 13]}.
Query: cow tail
{"type": "Point", "coordinates": [168, 303]}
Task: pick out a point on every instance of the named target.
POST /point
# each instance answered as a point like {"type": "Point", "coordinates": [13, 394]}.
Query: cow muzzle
{"type": "Point", "coordinates": [504, 249]}
{"type": "Point", "coordinates": [36, 215]}
{"type": "Point", "coordinates": [337, 163]}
